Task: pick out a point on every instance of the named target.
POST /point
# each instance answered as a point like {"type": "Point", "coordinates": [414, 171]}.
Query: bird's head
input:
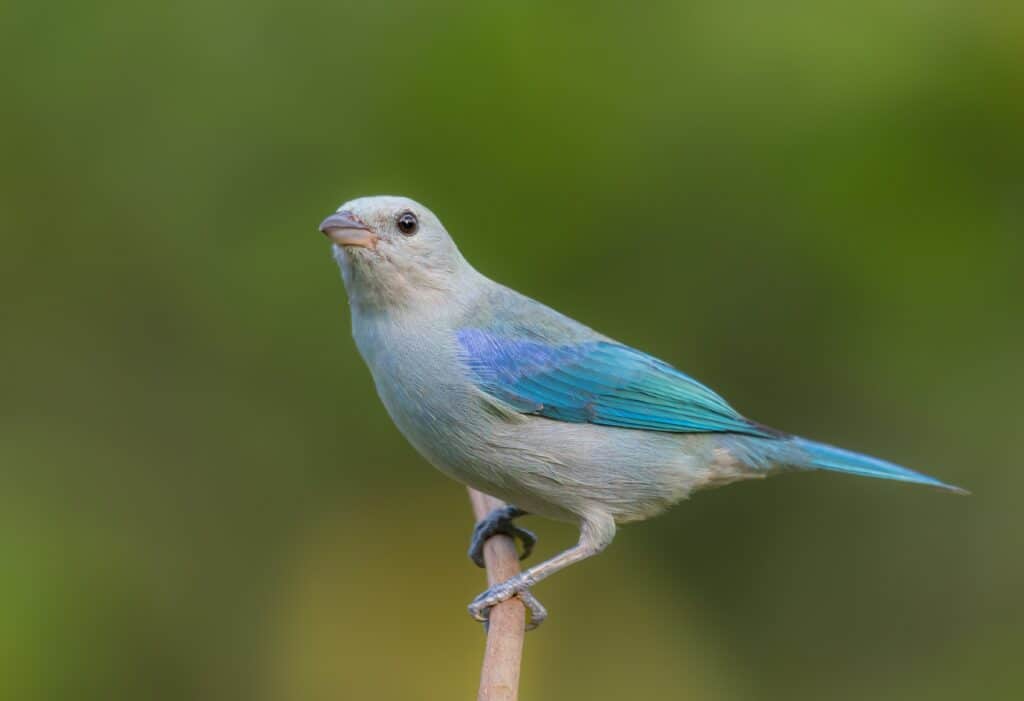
{"type": "Point", "coordinates": [392, 251]}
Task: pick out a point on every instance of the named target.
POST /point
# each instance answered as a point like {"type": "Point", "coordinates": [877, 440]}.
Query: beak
{"type": "Point", "coordinates": [346, 229]}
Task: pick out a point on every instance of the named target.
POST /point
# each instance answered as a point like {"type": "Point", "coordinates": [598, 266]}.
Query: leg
{"type": "Point", "coordinates": [596, 532]}
{"type": "Point", "coordinates": [500, 521]}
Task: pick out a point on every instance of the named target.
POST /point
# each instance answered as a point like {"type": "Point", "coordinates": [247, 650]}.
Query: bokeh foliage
{"type": "Point", "coordinates": [815, 208]}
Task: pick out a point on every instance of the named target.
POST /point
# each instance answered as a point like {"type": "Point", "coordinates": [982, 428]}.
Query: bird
{"type": "Point", "coordinates": [519, 401]}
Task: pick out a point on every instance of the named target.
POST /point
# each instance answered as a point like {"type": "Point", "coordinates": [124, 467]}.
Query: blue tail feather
{"type": "Point", "coordinates": [827, 457]}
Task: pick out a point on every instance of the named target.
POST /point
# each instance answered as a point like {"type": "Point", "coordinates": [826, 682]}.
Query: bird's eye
{"type": "Point", "coordinates": [408, 223]}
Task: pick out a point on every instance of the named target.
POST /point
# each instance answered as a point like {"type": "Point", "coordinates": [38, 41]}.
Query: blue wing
{"type": "Point", "coordinates": [597, 382]}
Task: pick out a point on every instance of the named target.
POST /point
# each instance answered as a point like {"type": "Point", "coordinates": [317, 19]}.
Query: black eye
{"type": "Point", "coordinates": [408, 223]}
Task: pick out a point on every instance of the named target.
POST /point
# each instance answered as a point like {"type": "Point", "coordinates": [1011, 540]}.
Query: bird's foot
{"type": "Point", "coordinates": [480, 607]}
{"type": "Point", "coordinates": [500, 521]}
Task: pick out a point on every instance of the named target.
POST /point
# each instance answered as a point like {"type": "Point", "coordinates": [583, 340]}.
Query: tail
{"type": "Point", "coordinates": [826, 457]}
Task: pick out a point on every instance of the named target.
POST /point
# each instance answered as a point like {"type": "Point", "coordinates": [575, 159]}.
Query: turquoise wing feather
{"type": "Point", "coordinates": [599, 382]}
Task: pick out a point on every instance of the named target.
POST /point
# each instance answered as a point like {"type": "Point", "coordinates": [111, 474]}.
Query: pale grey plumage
{"type": "Point", "coordinates": [554, 469]}
{"type": "Point", "coordinates": [411, 292]}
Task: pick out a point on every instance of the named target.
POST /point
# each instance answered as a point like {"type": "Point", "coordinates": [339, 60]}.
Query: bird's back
{"type": "Point", "coordinates": [506, 312]}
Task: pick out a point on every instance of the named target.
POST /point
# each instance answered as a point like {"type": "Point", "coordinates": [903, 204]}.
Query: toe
{"type": "Point", "coordinates": [481, 606]}
{"type": "Point", "coordinates": [479, 613]}
{"type": "Point", "coordinates": [476, 552]}
{"type": "Point", "coordinates": [537, 611]}
{"type": "Point", "coordinates": [484, 530]}
{"type": "Point", "coordinates": [528, 539]}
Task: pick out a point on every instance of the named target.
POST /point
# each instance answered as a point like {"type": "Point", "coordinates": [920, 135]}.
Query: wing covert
{"type": "Point", "coordinates": [599, 382]}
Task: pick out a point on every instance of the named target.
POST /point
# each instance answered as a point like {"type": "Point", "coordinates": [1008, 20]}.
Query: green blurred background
{"type": "Point", "coordinates": [818, 210]}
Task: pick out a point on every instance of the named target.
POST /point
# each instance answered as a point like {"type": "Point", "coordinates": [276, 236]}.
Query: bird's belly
{"type": "Point", "coordinates": [557, 469]}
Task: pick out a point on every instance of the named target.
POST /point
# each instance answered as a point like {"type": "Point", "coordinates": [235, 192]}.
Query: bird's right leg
{"type": "Point", "coordinates": [500, 521]}
{"type": "Point", "coordinates": [596, 532]}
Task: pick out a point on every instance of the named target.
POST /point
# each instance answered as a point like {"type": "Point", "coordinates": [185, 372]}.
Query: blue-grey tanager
{"type": "Point", "coordinates": [516, 400]}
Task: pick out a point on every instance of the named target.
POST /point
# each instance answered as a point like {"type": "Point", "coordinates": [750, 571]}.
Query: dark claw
{"type": "Point", "coordinates": [528, 539]}
{"type": "Point", "coordinates": [500, 521]}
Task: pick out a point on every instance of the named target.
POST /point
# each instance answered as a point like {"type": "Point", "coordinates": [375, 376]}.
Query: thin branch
{"type": "Point", "coordinates": [499, 679]}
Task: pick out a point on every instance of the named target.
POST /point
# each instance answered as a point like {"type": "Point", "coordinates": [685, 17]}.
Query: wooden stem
{"type": "Point", "coordinates": [499, 680]}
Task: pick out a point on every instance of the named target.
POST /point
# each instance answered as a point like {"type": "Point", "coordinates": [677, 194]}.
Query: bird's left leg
{"type": "Point", "coordinates": [596, 532]}
{"type": "Point", "coordinates": [500, 521]}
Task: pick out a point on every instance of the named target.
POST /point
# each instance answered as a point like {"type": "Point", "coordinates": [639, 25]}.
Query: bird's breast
{"type": "Point", "coordinates": [424, 387]}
